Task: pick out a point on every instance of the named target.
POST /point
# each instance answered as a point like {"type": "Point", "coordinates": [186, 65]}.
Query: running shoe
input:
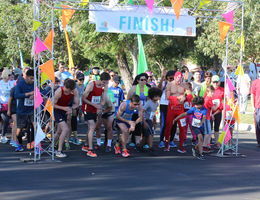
{"type": "Point", "coordinates": [132, 144]}
{"type": "Point", "coordinates": [19, 148]}
{"type": "Point", "coordinates": [172, 144]}
{"type": "Point", "coordinates": [91, 154]}
{"type": "Point", "coordinates": [71, 140]}
{"type": "Point", "coordinates": [77, 142]}
{"type": "Point", "coordinates": [85, 148]}
{"type": "Point", "coordinates": [194, 142]}
{"type": "Point", "coordinates": [3, 139]}
{"type": "Point", "coordinates": [59, 154]}
{"type": "Point", "coordinates": [146, 146]}
{"type": "Point", "coordinates": [15, 144]}
{"type": "Point", "coordinates": [181, 150]}
{"type": "Point", "coordinates": [67, 146]}
{"type": "Point", "coordinates": [117, 149]}
{"type": "Point", "coordinates": [97, 147]}
{"type": "Point", "coordinates": [166, 148]}
{"type": "Point", "coordinates": [108, 149]}
{"type": "Point", "coordinates": [201, 157]}
{"type": "Point", "coordinates": [30, 145]}
{"type": "Point", "coordinates": [48, 136]}
{"type": "Point", "coordinates": [11, 142]}
{"type": "Point", "coordinates": [161, 144]}
{"type": "Point", "coordinates": [125, 153]}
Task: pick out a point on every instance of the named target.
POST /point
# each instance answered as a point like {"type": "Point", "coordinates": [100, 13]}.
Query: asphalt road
{"type": "Point", "coordinates": [169, 175]}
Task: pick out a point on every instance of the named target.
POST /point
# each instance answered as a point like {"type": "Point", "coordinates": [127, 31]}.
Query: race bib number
{"type": "Point", "coordinates": [216, 102]}
{"type": "Point", "coordinates": [152, 115]}
{"type": "Point", "coordinates": [187, 105]}
{"type": "Point", "coordinates": [28, 102]}
{"type": "Point", "coordinates": [196, 122]}
{"type": "Point", "coordinates": [96, 99]}
{"type": "Point", "coordinates": [183, 122]}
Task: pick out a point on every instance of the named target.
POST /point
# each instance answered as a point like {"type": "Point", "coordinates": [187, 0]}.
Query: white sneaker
{"type": "Point", "coordinates": [59, 154]}
{"type": "Point", "coordinates": [3, 139]}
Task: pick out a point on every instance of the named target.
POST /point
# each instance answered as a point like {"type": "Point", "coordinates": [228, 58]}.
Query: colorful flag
{"type": "Point", "coordinates": [227, 135]}
{"type": "Point", "coordinates": [177, 4]}
{"type": "Point", "coordinates": [229, 17]}
{"type": "Point", "coordinates": [48, 69]}
{"type": "Point", "coordinates": [48, 106]}
{"type": "Point", "coordinates": [71, 63]}
{"type": "Point", "coordinates": [236, 114]}
{"type": "Point", "coordinates": [84, 2]}
{"type": "Point", "coordinates": [223, 30]}
{"type": "Point", "coordinates": [142, 64]}
{"type": "Point", "coordinates": [113, 3]}
{"type": "Point", "coordinates": [44, 78]}
{"type": "Point", "coordinates": [230, 85]}
{"type": "Point", "coordinates": [239, 71]}
{"type": "Point", "coordinates": [40, 135]}
{"type": "Point", "coordinates": [149, 4]}
{"type": "Point", "coordinates": [242, 40]}
{"type": "Point", "coordinates": [203, 3]}
{"type": "Point", "coordinates": [49, 40]}
{"type": "Point", "coordinates": [36, 25]}
{"type": "Point", "coordinates": [39, 46]}
{"type": "Point", "coordinates": [67, 13]}
{"type": "Point", "coordinates": [38, 98]}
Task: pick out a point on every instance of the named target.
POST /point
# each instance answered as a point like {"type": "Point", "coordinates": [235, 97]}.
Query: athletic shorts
{"type": "Point", "coordinates": [119, 121]}
{"type": "Point", "coordinates": [207, 127]}
{"type": "Point", "coordinates": [197, 131]}
{"type": "Point", "coordinates": [90, 116]}
{"type": "Point", "coordinates": [148, 131]}
{"type": "Point", "coordinates": [60, 115]}
{"type": "Point", "coordinates": [107, 115]}
{"type": "Point", "coordinates": [23, 120]}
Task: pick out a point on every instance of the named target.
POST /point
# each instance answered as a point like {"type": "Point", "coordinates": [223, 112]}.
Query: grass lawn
{"type": "Point", "coordinates": [247, 118]}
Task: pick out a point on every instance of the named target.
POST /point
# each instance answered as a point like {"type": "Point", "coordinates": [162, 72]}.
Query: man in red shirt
{"type": "Point", "coordinates": [93, 100]}
{"type": "Point", "coordinates": [217, 101]}
{"type": "Point", "coordinates": [255, 102]}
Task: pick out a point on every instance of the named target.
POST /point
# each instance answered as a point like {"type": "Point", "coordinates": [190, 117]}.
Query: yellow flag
{"type": "Point", "coordinates": [239, 71]}
{"type": "Point", "coordinates": [203, 3]}
{"type": "Point", "coordinates": [242, 40]}
{"type": "Point", "coordinates": [84, 2]}
{"type": "Point", "coordinates": [71, 63]}
{"type": "Point", "coordinates": [44, 78]}
{"type": "Point", "coordinates": [221, 137]}
{"type": "Point", "coordinates": [36, 25]}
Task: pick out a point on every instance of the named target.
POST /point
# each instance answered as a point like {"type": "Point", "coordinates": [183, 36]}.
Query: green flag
{"type": "Point", "coordinates": [142, 65]}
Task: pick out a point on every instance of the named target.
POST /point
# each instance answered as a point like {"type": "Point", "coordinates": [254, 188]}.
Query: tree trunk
{"type": "Point", "coordinates": [134, 57]}
{"type": "Point", "coordinates": [216, 62]}
{"type": "Point", "coordinates": [124, 70]}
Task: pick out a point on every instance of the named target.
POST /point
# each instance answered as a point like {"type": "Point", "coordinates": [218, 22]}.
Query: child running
{"type": "Point", "coordinates": [199, 117]}
{"type": "Point", "coordinates": [150, 108]}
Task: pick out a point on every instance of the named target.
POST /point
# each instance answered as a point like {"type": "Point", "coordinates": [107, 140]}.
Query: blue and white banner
{"type": "Point", "coordinates": [137, 20]}
{"type": "Point", "coordinates": [138, 23]}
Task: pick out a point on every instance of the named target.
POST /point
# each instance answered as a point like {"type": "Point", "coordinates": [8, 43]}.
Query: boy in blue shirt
{"type": "Point", "coordinates": [198, 119]}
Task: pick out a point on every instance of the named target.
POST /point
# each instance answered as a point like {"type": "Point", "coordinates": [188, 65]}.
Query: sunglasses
{"type": "Point", "coordinates": [143, 79]}
{"type": "Point", "coordinates": [136, 104]}
{"type": "Point", "coordinates": [215, 81]}
{"type": "Point", "coordinates": [81, 79]}
{"type": "Point", "coordinates": [171, 78]}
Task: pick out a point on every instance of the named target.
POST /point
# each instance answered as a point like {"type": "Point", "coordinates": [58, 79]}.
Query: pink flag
{"type": "Point", "coordinates": [149, 4]}
{"type": "Point", "coordinates": [228, 134]}
{"type": "Point", "coordinates": [229, 17]}
{"type": "Point", "coordinates": [230, 85]}
{"type": "Point", "coordinates": [39, 46]}
{"type": "Point", "coordinates": [38, 98]}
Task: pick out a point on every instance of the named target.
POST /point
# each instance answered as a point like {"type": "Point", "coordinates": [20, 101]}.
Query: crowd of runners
{"type": "Point", "coordinates": [193, 102]}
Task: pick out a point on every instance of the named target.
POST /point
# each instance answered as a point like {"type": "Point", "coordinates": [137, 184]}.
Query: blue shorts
{"type": "Point", "coordinates": [207, 127]}
{"type": "Point", "coordinates": [119, 121]}
{"type": "Point", "coordinates": [60, 115]}
{"type": "Point", "coordinates": [148, 131]}
{"type": "Point", "coordinates": [197, 131]}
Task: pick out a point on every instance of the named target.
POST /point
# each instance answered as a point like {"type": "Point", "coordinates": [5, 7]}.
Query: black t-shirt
{"type": "Point", "coordinates": [13, 102]}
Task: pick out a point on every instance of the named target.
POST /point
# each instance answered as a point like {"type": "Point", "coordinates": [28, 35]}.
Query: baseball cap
{"type": "Point", "coordinates": [80, 76]}
{"type": "Point", "coordinates": [215, 78]}
{"type": "Point", "coordinates": [17, 71]}
{"type": "Point", "coordinates": [178, 75]}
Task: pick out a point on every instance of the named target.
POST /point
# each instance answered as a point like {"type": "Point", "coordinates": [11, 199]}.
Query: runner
{"type": "Point", "coordinates": [125, 122]}
{"type": "Point", "coordinates": [94, 99]}
{"type": "Point", "coordinates": [63, 98]}
{"type": "Point", "coordinates": [175, 93]}
{"type": "Point", "coordinates": [24, 93]}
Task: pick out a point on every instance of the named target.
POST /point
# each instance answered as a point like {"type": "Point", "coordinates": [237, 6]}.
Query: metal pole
{"type": "Point", "coordinates": [52, 98]}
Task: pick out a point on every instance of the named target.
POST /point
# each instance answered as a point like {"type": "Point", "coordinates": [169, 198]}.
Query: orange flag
{"type": "Point", "coordinates": [223, 30]}
{"type": "Point", "coordinates": [48, 69]}
{"type": "Point", "coordinates": [177, 4]}
{"type": "Point", "coordinates": [48, 106]}
{"type": "Point", "coordinates": [66, 15]}
{"type": "Point", "coordinates": [49, 40]}
{"type": "Point", "coordinates": [236, 114]}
